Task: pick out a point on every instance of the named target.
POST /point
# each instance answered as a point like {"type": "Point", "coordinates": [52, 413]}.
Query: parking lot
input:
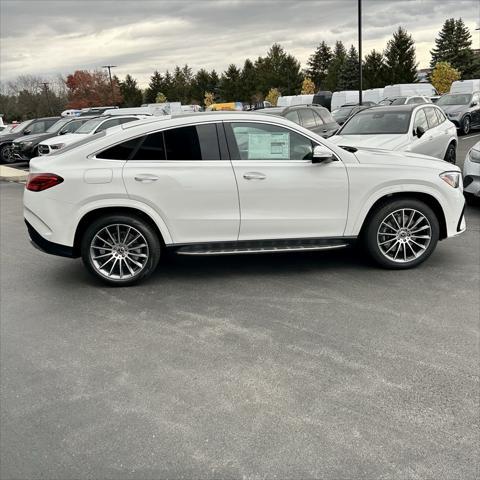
{"type": "Point", "coordinates": [265, 366]}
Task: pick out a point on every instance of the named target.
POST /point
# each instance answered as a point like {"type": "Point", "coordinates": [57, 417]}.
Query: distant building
{"type": "Point", "coordinates": [423, 75]}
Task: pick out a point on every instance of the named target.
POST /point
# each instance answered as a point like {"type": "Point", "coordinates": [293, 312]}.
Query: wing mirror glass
{"type": "Point", "coordinates": [474, 104]}
{"type": "Point", "coordinates": [63, 132]}
{"type": "Point", "coordinates": [27, 132]}
{"type": "Point", "coordinates": [322, 154]}
{"type": "Point", "coordinates": [419, 132]}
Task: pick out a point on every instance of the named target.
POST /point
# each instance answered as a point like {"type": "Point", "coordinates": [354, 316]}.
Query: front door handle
{"type": "Point", "coordinates": [254, 176]}
{"type": "Point", "coordinates": [146, 178]}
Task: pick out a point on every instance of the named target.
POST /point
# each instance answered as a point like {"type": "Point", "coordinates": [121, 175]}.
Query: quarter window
{"type": "Point", "coordinates": [440, 116]}
{"type": "Point", "coordinates": [109, 123]}
{"type": "Point", "coordinates": [293, 116]}
{"type": "Point", "coordinates": [257, 141]}
{"type": "Point", "coordinates": [152, 148]}
{"type": "Point", "coordinates": [307, 118]}
{"type": "Point", "coordinates": [325, 115]}
{"type": "Point", "coordinates": [122, 151]}
{"type": "Point", "coordinates": [420, 120]}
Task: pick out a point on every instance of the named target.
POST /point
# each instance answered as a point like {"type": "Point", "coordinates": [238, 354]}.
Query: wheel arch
{"type": "Point", "coordinates": [426, 198]}
{"type": "Point", "coordinates": [96, 213]}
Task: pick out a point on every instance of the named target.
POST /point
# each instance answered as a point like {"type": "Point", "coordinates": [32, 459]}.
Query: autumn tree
{"type": "Point", "coordinates": [308, 87]}
{"type": "Point", "coordinates": [272, 96]}
{"type": "Point", "coordinates": [160, 98]}
{"type": "Point", "coordinates": [209, 99]}
{"type": "Point", "coordinates": [91, 89]}
{"type": "Point", "coordinates": [442, 77]}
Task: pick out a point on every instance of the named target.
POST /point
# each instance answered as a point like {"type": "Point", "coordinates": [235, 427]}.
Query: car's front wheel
{"type": "Point", "coordinates": [120, 249]}
{"type": "Point", "coordinates": [465, 128]}
{"type": "Point", "coordinates": [402, 234]}
{"type": "Point", "coordinates": [6, 153]}
{"type": "Point", "coordinates": [451, 154]}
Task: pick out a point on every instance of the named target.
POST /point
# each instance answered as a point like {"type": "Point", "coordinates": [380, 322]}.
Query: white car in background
{"type": "Point", "coordinates": [411, 128]}
{"type": "Point", "coordinates": [405, 100]}
{"type": "Point", "coordinates": [234, 183]}
{"type": "Point", "coordinates": [89, 128]}
{"type": "Point", "coordinates": [471, 175]}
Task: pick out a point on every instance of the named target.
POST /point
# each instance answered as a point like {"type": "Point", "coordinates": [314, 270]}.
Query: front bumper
{"type": "Point", "coordinates": [22, 153]}
{"type": "Point", "coordinates": [48, 247]}
{"type": "Point", "coordinates": [471, 177]}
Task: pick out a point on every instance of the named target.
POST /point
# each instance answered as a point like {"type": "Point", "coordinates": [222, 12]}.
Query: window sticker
{"type": "Point", "coordinates": [268, 146]}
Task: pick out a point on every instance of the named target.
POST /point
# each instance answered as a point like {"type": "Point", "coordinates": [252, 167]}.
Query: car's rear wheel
{"type": "Point", "coordinates": [402, 234]}
{"type": "Point", "coordinates": [451, 154]}
{"type": "Point", "coordinates": [6, 153]}
{"type": "Point", "coordinates": [120, 249]}
{"type": "Point", "coordinates": [466, 124]}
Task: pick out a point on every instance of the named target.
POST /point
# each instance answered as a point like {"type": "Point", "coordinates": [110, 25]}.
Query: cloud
{"type": "Point", "coordinates": [50, 37]}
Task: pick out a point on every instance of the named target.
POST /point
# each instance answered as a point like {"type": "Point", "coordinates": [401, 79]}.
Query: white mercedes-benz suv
{"type": "Point", "coordinates": [229, 183]}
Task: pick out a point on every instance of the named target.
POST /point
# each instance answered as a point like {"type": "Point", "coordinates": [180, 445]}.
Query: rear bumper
{"type": "Point", "coordinates": [49, 247]}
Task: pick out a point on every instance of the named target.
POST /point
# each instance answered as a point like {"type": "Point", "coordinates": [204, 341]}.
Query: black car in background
{"type": "Point", "coordinates": [29, 127]}
{"type": "Point", "coordinates": [314, 117]}
{"type": "Point", "coordinates": [26, 147]}
{"type": "Point", "coordinates": [342, 114]}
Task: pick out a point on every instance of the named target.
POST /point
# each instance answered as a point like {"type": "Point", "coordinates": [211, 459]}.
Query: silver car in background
{"type": "Point", "coordinates": [417, 128]}
{"type": "Point", "coordinates": [471, 175]}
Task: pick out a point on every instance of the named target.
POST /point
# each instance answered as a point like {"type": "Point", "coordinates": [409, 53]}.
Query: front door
{"type": "Point", "coordinates": [282, 193]}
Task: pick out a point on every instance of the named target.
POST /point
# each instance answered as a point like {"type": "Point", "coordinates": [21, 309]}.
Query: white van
{"type": "Point", "coordinates": [341, 98]}
{"type": "Point", "coordinates": [289, 100]}
{"type": "Point", "coordinates": [409, 90]}
{"type": "Point", "coordinates": [373, 95]}
{"type": "Point", "coordinates": [465, 86]}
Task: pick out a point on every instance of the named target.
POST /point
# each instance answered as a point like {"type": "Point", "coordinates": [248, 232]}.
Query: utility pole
{"type": "Point", "coordinates": [360, 79]}
{"type": "Point", "coordinates": [109, 68]}
{"type": "Point", "coordinates": [45, 86]}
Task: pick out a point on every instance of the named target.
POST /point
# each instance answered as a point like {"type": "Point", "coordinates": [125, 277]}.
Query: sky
{"type": "Point", "coordinates": [46, 38]}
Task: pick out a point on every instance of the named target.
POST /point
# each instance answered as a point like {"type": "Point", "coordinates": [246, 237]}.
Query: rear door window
{"type": "Point", "coordinates": [152, 148]}
{"type": "Point", "coordinates": [431, 117]}
{"type": "Point", "coordinates": [307, 118]}
{"type": "Point", "coordinates": [293, 116]}
{"type": "Point", "coordinates": [420, 120]}
{"type": "Point", "coordinates": [325, 115]}
{"type": "Point", "coordinates": [440, 116]}
{"type": "Point", "coordinates": [192, 143]}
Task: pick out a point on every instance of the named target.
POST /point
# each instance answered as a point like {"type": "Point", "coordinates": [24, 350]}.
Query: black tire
{"type": "Point", "coordinates": [451, 154]}
{"type": "Point", "coordinates": [129, 225]}
{"type": "Point", "coordinates": [5, 153]}
{"type": "Point", "coordinates": [466, 125]}
{"type": "Point", "coordinates": [371, 234]}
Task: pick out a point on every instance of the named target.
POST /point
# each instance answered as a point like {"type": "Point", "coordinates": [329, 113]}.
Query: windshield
{"type": "Point", "coordinates": [386, 101]}
{"type": "Point", "coordinates": [458, 99]}
{"type": "Point", "coordinates": [89, 126]}
{"type": "Point", "coordinates": [342, 111]}
{"type": "Point", "coordinates": [370, 122]}
{"type": "Point", "coordinates": [58, 125]}
{"type": "Point", "coordinates": [21, 126]}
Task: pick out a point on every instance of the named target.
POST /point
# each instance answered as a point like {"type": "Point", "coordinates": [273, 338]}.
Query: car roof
{"type": "Point", "coordinates": [399, 108]}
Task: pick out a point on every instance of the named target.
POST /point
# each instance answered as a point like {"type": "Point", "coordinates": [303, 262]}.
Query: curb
{"type": "Point", "coordinates": [10, 174]}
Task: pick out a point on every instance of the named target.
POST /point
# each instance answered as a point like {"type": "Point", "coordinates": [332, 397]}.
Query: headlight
{"type": "Point", "coordinates": [454, 114]}
{"type": "Point", "coordinates": [474, 155]}
{"type": "Point", "coordinates": [452, 178]}
{"type": "Point", "coordinates": [57, 146]}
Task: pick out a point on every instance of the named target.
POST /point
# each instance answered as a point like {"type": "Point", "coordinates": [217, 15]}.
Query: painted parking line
{"type": "Point", "coordinates": [470, 136]}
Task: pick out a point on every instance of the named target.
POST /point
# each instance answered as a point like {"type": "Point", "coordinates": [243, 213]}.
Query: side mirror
{"type": "Point", "coordinates": [62, 132]}
{"type": "Point", "coordinates": [322, 154]}
{"type": "Point", "coordinates": [27, 132]}
{"type": "Point", "coordinates": [419, 132]}
{"type": "Point", "coordinates": [474, 104]}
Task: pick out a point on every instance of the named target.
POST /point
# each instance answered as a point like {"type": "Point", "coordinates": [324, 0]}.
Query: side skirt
{"type": "Point", "coordinates": [263, 246]}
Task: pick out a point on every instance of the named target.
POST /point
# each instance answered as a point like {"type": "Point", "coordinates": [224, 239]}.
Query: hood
{"type": "Point", "coordinates": [67, 139]}
{"type": "Point", "coordinates": [387, 142]}
{"type": "Point", "coordinates": [385, 157]}
{"type": "Point", "coordinates": [36, 137]}
{"type": "Point", "coordinates": [8, 137]}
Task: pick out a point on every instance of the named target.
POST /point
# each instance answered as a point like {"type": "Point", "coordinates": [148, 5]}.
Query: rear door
{"type": "Point", "coordinates": [423, 144]}
{"type": "Point", "coordinates": [438, 139]}
{"type": "Point", "coordinates": [185, 175]}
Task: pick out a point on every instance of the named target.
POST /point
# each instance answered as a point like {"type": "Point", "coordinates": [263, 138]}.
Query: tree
{"type": "Point", "coordinates": [454, 45]}
{"type": "Point", "coordinates": [308, 87]}
{"type": "Point", "coordinates": [155, 85]}
{"type": "Point", "coordinates": [349, 73]}
{"type": "Point", "coordinates": [132, 95]}
{"type": "Point", "coordinates": [209, 99]}
{"type": "Point", "coordinates": [200, 85]}
{"type": "Point", "coordinates": [336, 65]}
{"type": "Point", "coordinates": [272, 96]}
{"type": "Point", "coordinates": [230, 84]}
{"type": "Point", "coordinates": [90, 89]}
{"type": "Point", "coordinates": [160, 98]}
{"type": "Point", "coordinates": [318, 64]}
{"type": "Point", "coordinates": [400, 61]}
{"type": "Point", "coordinates": [374, 70]}
{"type": "Point", "coordinates": [248, 82]}
{"type": "Point", "coordinates": [443, 76]}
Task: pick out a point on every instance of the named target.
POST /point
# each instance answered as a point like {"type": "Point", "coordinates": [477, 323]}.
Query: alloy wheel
{"type": "Point", "coordinates": [466, 125]}
{"type": "Point", "coordinates": [7, 154]}
{"type": "Point", "coordinates": [404, 235]}
{"type": "Point", "coordinates": [119, 251]}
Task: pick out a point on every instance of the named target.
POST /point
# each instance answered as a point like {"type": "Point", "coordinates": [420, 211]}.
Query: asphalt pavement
{"type": "Point", "coordinates": [313, 365]}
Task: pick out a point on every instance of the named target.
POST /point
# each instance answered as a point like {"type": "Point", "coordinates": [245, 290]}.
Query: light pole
{"type": "Point", "coordinates": [109, 68]}
{"type": "Point", "coordinates": [360, 80]}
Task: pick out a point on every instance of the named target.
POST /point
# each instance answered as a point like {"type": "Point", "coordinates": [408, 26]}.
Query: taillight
{"type": "Point", "coordinates": [37, 182]}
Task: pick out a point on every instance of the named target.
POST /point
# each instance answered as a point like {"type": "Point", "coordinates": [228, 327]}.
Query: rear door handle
{"type": "Point", "coordinates": [146, 178]}
{"type": "Point", "coordinates": [254, 176]}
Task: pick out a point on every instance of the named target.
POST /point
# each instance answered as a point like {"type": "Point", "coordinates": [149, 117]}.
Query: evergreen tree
{"type": "Point", "coordinates": [248, 82]}
{"type": "Point", "coordinates": [230, 84]}
{"type": "Point", "coordinates": [374, 70]}
{"type": "Point", "coordinates": [132, 95]}
{"type": "Point", "coordinates": [454, 45]}
{"type": "Point", "coordinates": [167, 85]}
{"type": "Point", "coordinates": [336, 65]}
{"type": "Point", "coordinates": [214, 84]}
{"type": "Point", "coordinates": [348, 75]}
{"type": "Point", "coordinates": [400, 61]}
{"type": "Point", "coordinates": [200, 85]}
{"type": "Point", "coordinates": [318, 64]}
{"type": "Point", "coordinates": [154, 86]}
